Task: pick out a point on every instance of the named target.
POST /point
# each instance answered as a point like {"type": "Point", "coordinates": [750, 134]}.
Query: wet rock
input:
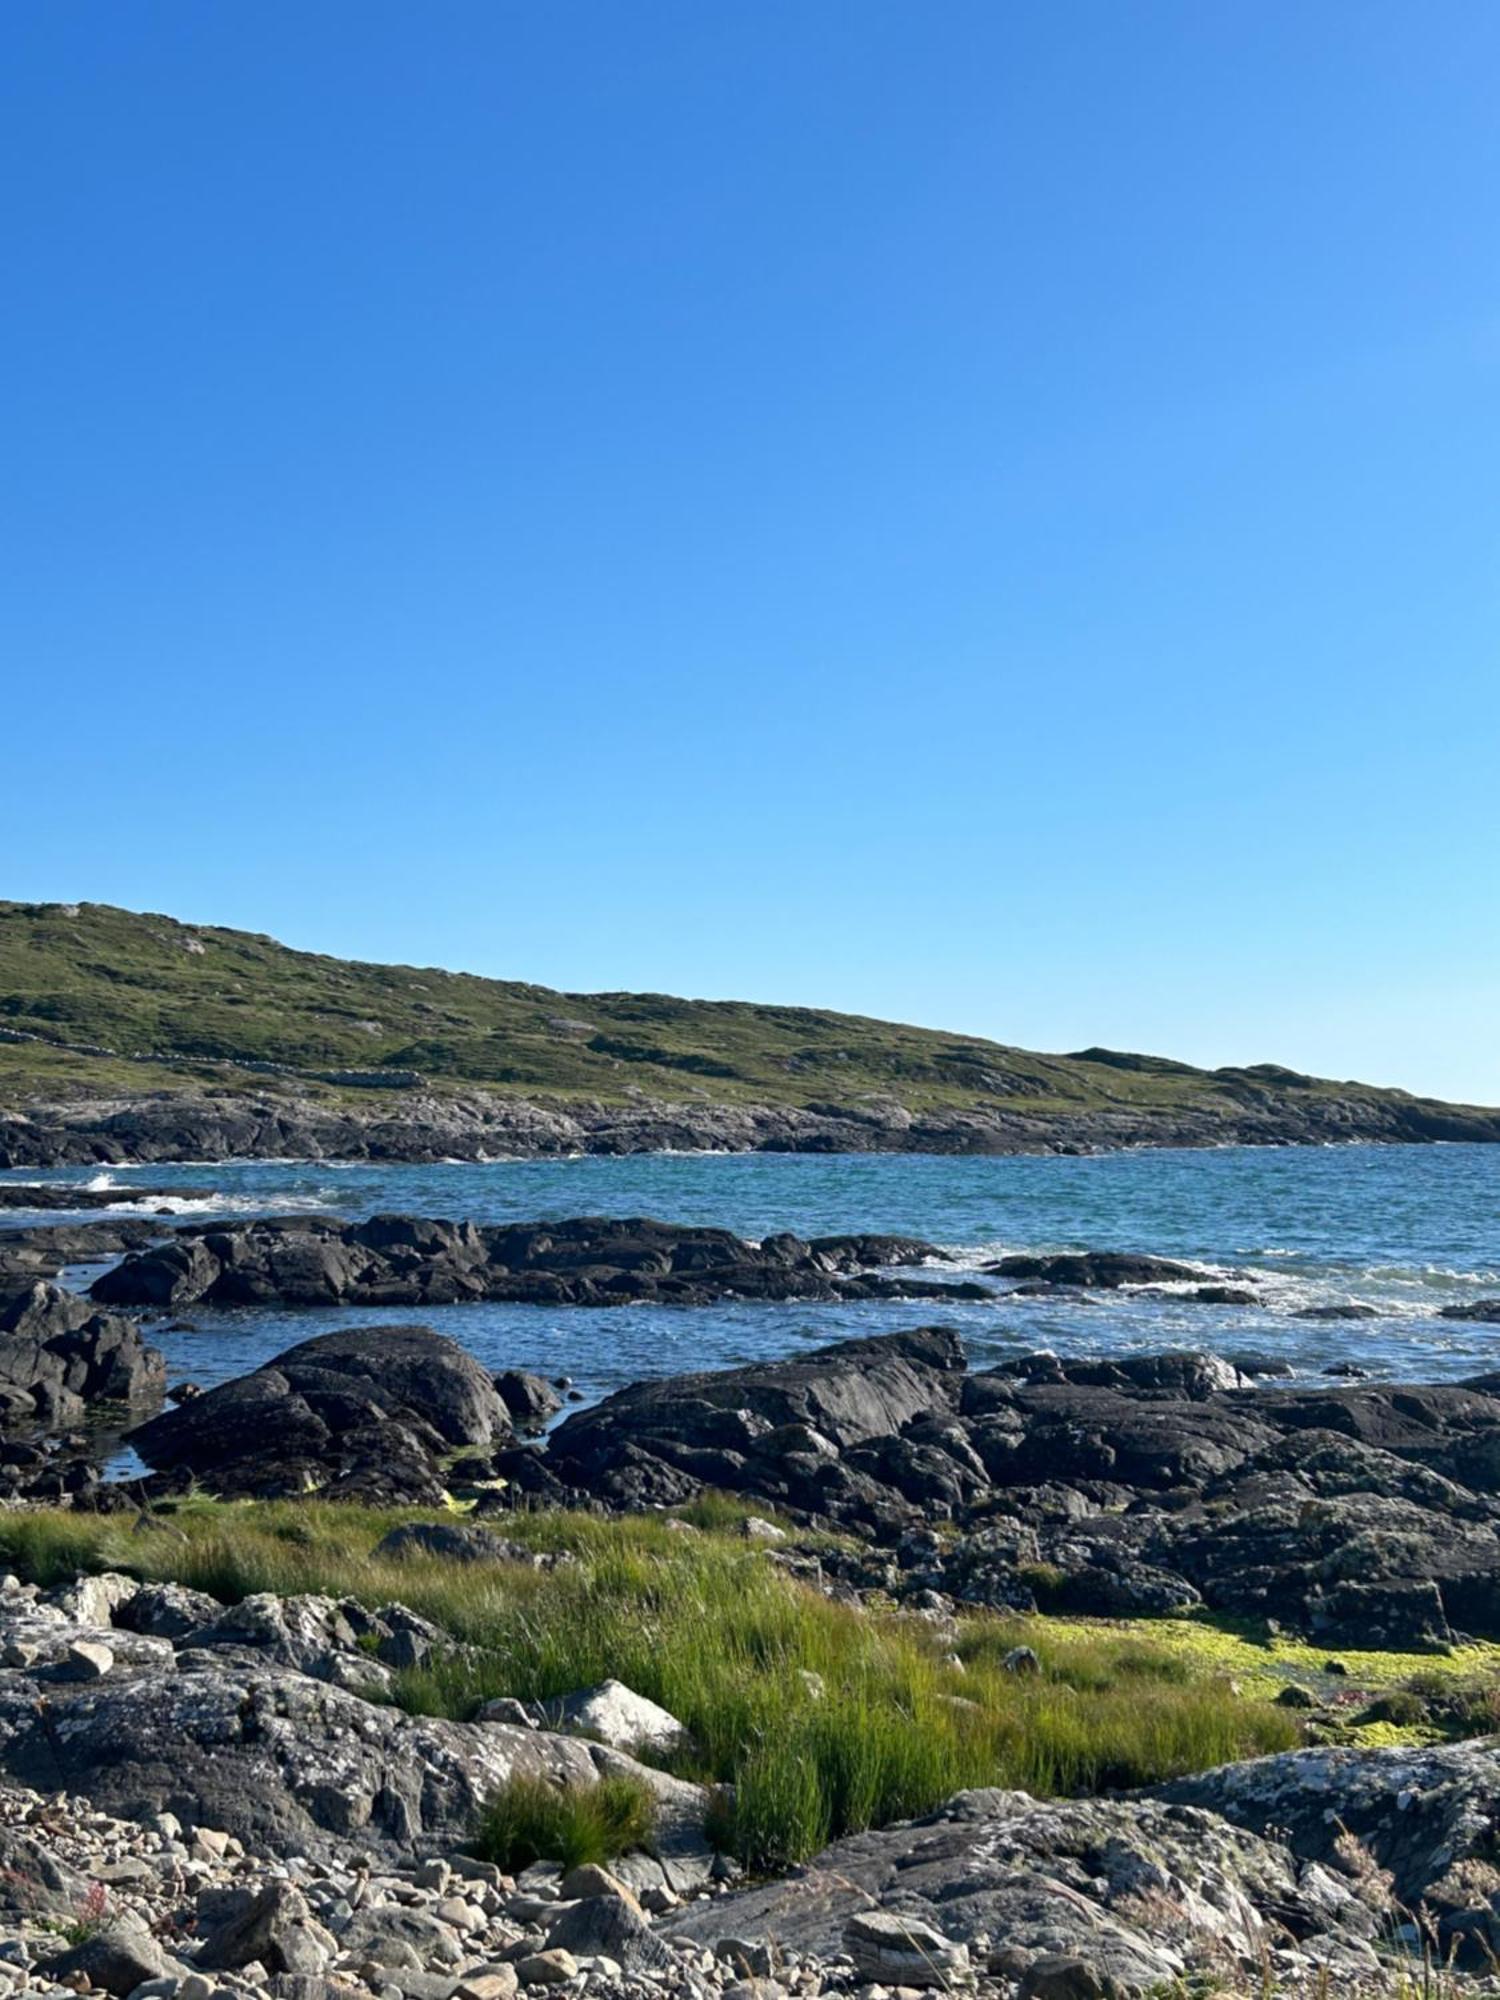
{"type": "Point", "coordinates": [531, 1399]}
{"type": "Point", "coordinates": [59, 1355]}
{"type": "Point", "coordinates": [1095, 1269]}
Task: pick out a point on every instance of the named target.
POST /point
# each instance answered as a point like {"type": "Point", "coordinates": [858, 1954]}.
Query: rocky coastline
{"type": "Point", "coordinates": [424, 1127]}
{"type": "Point", "coordinates": [215, 1790]}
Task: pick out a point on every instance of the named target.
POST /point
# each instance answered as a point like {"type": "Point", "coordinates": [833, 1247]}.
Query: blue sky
{"type": "Point", "coordinates": [980, 513]}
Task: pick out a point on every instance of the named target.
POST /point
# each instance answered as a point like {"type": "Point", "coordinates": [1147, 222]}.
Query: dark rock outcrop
{"type": "Point", "coordinates": [39, 1197]}
{"type": "Point", "coordinates": [1129, 1485]}
{"type": "Point", "coordinates": [59, 1355]}
{"type": "Point", "coordinates": [369, 1412]}
{"type": "Point", "coordinates": [808, 1431]}
{"type": "Point", "coordinates": [1133, 1485]}
{"type": "Point", "coordinates": [405, 1260]}
{"type": "Point", "coordinates": [1088, 1269]}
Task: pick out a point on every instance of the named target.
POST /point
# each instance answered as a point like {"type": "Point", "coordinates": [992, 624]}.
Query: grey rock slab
{"type": "Point", "coordinates": [291, 1765]}
{"type": "Point", "coordinates": [1145, 1892]}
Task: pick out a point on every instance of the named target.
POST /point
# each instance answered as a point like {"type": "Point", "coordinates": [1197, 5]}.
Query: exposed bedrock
{"type": "Point", "coordinates": [587, 1261]}
{"type": "Point", "coordinates": [1361, 1514]}
{"type": "Point", "coordinates": [368, 1413]}
{"type": "Point", "coordinates": [246, 1124]}
{"type": "Point", "coordinates": [245, 1718]}
{"type": "Point", "coordinates": [1134, 1893]}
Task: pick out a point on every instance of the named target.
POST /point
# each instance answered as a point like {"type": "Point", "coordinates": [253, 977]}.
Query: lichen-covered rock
{"type": "Point", "coordinates": [282, 1760]}
{"type": "Point", "coordinates": [1419, 1821]}
{"type": "Point", "coordinates": [1148, 1893]}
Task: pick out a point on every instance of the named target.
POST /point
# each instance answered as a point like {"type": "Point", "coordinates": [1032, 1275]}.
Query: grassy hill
{"type": "Point", "coordinates": [97, 1001]}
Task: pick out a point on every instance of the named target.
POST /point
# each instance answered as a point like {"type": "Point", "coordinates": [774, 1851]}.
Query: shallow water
{"type": "Point", "coordinates": [1405, 1229]}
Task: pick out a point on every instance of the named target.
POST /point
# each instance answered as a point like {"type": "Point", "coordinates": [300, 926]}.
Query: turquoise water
{"type": "Point", "coordinates": [1404, 1229]}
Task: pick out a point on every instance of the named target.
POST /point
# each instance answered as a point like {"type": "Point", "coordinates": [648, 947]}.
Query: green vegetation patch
{"type": "Point", "coordinates": [823, 1717]}
{"type": "Point", "coordinates": [531, 1820]}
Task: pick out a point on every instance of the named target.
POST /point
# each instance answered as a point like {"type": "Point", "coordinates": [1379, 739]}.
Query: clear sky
{"type": "Point", "coordinates": [984, 513]}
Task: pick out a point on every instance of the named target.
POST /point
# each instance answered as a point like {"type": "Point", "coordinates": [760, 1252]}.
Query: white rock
{"type": "Point", "coordinates": [618, 1716]}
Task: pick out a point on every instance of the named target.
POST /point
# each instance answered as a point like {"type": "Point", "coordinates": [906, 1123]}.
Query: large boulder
{"type": "Point", "coordinates": [752, 1429]}
{"type": "Point", "coordinates": [377, 1404]}
{"type": "Point", "coordinates": [1422, 1819]}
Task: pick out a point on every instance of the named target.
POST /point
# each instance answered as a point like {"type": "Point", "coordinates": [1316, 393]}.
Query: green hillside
{"type": "Point", "coordinates": [95, 999]}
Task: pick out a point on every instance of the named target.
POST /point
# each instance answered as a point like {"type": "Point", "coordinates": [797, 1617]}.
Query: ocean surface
{"type": "Point", "coordinates": [1406, 1229]}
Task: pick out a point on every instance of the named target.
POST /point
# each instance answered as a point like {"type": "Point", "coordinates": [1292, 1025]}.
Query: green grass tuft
{"type": "Point", "coordinates": [531, 1820]}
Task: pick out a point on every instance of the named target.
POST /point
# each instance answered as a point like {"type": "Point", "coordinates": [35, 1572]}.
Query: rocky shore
{"type": "Point", "coordinates": [199, 1798]}
{"type": "Point", "coordinates": [1150, 1485]}
{"type": "Point", "coordinates": [1249, 1109]}
{"type": "Point", "coordinates": [214, 1791]}
{"type": "Point", "coordinates": [234, 1820]}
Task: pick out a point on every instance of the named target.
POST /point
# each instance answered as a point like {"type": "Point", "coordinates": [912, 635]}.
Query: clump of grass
{"type": "Point", "coordinates": [531, 1819]}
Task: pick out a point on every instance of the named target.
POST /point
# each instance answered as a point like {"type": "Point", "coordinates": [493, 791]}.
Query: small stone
{"type": "Point", "coordinates": [756, 1529]}
{"type": "Point", "coordinates": [1022, 1660]}
{"type": "Point", "coordinates": [491, 1982]}
{"type": "Point", "coordinates": [1295, 1696]}
{"type": "Point", "coordinates": [751, 1957]}
{"type": "Point", "coordinates": [905, 1950]}
{"type": "Point", "coordinates": [1060, 1976]}
{"type": "Point", "coordinates": [86, 1660]}
{"type": "Point", "coordinates": [547, 1968]}
{"type": "Point", "coordinates": [505, 1708]}
{"type": "Point", "coordinates": [460, 1914]}
{"type": "Point", "coordinates": [591, 1880]}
